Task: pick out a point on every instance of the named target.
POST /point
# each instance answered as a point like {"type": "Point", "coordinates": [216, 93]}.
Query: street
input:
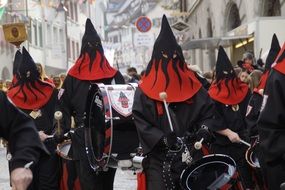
{"type": "Point", "coordinates": [125, 180]}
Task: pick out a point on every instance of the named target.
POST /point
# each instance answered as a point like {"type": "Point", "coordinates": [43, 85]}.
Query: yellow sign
{"type": "Point", "coordinates": [15, 33]}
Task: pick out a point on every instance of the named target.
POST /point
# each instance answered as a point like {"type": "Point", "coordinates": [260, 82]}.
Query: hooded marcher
{"type": "Point", "coordinates": [271, 123]}
{"type": "Point", "coordinates": [231, 98]}
{"type": "Point", "coordinates": [24, 143]}
{"type": "Point", "coordinates": [37, 98]}
{"type": "Point", "coordinates": [190, 108]}
{"type": "Point", "coordinates": [255, 101]}
{"type": "Point", "coordinates": [254, 106]}
{"type": "Point", "coordinates": [91, 67]}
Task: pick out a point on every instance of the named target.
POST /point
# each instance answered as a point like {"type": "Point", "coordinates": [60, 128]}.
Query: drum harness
{"type": "Point", "coordinates": [183, 151]}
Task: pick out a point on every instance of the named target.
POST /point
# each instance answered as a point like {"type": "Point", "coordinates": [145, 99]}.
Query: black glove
{"type": "Point", "coordinates": [204, 133]}
{"type": "Point", "coordinates": [170, 141]}
{"type": "Point", "coordinates": [59, 138]}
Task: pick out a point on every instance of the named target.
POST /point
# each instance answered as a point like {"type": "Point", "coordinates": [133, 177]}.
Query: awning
{"type": "Point", "coordinates": [212, 43]}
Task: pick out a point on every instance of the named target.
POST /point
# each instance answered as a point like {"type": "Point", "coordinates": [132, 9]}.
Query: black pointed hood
{"type": "Point", "coordinates": [273, 52]}
{"type": "Point", "coordinates": [27, 69]}
{"type": "Point", "coordinates": [167, 70]}
{"type": "Point", "coordinates": [91, 36]}
{"type": "Point", "coordinates": [166, 43]}
{"type": "Point", "coordinates": [29, 92]}
{"type": "Point", "coordinates": [17, 62]}
{"type": "Point", "coordinates": [224, 68]}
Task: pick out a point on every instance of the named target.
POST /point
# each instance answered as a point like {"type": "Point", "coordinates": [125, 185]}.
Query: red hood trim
{"type": "Point", "coordinates": [32, 103]}
{"type": "Point", "coordinates": [262, 82]}
{"type": "Point", "coordinates": [237, 90]}
{"type": "Point", "coordinates": [281, 65]}
{"type": "Point", "coordinates": [176, 92]}
{"type": "Point", "coordinates": [97, 72]}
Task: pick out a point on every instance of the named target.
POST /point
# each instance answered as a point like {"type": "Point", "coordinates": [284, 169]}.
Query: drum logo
{"type": "Point", "coordinates": [124, 100]}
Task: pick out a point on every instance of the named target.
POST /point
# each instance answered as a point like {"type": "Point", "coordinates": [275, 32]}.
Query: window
{"type": "Point", "coordinates": [77, 49]}
{"type": "Point", "coordinates": [48, 32]}
{"type": "Point", "coordinates": [73, 11]}
{"type": "Point", "coordinates": [35, 34]}
{"type": "Point", "coordinates": [73, 50]}
{"type": "Point", "coordinates": [55, 36]}
{"type": "Point", "coordinates": [68, 49]}
{"type": "Point", "coordinates": [40, 34]}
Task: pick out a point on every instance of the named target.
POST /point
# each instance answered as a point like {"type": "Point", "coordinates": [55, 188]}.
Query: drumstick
{"type": "Point", "coordinates": [58, 117]}
{"type": "Point", "coordinates": [198, 144]}
{"type": "Point", "coordinates": [163, 97]}
{"type": "Point", "coordinates": [245, 143]}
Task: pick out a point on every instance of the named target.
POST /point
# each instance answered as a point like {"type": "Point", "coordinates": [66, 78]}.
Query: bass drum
{"type": "Point", "coordinates": [114, 142]}
{"type": "Point", "coordinates": [214, 171]}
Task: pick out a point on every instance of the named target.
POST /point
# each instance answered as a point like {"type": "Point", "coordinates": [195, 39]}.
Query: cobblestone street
{"type": "Point", "coordinates": [125, 180]}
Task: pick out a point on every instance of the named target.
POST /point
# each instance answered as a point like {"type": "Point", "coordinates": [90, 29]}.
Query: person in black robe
{"type": "Point", "coordinates": [271, 123]}
{"type": "Point", "coordinates": [23, 143]}
{"type": "Point", "coordinates": [91, 67]}
{"type": "Point", "coordinates": [254, 106]}
{"type": "Point", "coordinates": [231, 98]}
{"type": "Point", "coordinates": [255, 101]}
{"type": "Point", "coordinates": [190, 108]}
{"type": "Point", "coordinates": [37, 99]}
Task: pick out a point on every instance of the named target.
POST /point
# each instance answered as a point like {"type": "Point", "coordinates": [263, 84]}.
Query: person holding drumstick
{"type": "Point", "coordinates": [271, 124]}
{"type": "Point", "coordinates": [37, 99]}
{"type": "Point", "coordinates": [189, 106]}
{"type": "Point", "coordinates": [23, 143]}
{"type": "Point", "coordinates": [91, 67]}
{"type": "Point", "coordinates": [231, 98]}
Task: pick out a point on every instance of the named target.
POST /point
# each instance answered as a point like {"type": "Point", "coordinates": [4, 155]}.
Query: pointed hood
{"type": "Point", "coordinates": [91, 36]}
{"type": "Point", "coordinates": [224, 68]}
{"type": "Point", "coordinates": [92, 63]}
{"type": "Point", "coordinates": [167, 70]}
{"type": "Point", "coordinates": [279, 64]}
{"type": "Point", "coordinates": [272, 55]}
{"type": "Point", "coordinates": [227, 87]}
{"type": "Point", "coordinates": [273, 52]}
{"type": "Point", "coordinates": [16, 64]}
{"type": "Point", "coordinates": [29, 92]}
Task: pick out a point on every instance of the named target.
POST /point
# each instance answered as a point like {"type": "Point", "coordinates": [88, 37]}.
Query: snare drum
{"type": "Point", "coordinates": [214, 171]}
{"type": "Point", "coordinates": [63, 148]}
{"type": "Point", "coordinates": [121, 139]}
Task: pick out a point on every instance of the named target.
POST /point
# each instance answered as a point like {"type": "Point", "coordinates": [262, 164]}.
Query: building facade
{"type": "Point", "coordinates": [54, 29]}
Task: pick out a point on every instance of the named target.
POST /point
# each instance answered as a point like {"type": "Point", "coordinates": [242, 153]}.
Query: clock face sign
{"type": "Point", "coordinates": [143, 24]}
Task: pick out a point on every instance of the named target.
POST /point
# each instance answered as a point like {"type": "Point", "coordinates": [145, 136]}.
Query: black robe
{"type": "Point", "coordinates": [46, 172]}
{"type": "Point", "coordinates": [271, 129]}
{"type": "Point", "coordinates": [24, 143]}
{"type": "Point", "coordinates": [234, 120]}
{"type": "Point", "coordinates": [252, 113]}
{"type": "Point", "coordinates": [190, 116]}
{"type": "Point", "coordinates": [187, 118]}
{"type": "Point", "coordinates": [72, 103]}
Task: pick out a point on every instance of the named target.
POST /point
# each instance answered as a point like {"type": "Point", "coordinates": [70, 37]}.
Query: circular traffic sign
{"type": "Point", "coordinates": [143, 24]}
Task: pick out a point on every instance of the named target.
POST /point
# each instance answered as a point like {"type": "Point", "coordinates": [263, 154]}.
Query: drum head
{"type": "Point", "coordinates": [63, 149]}
{"type": "Point", "coordinates": [210, 172]}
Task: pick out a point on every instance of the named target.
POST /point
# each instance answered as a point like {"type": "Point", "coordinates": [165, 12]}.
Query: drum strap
{"type": "Point", "coordinates": [166, 170]}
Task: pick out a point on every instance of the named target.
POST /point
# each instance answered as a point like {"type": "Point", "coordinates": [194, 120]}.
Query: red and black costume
{"type": "Point", "coordinates": [231, 97]}
{"type": "Point", "coordinates": [255, 101]}
{"type": "Point", "coordinates": [271, 123]}
{"type": "Point", "coordinates": [91, 67]}
{"type": "Point", "coordinates": [38, 100]}
{"type": "Point", "coordinates": [189, 104]}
